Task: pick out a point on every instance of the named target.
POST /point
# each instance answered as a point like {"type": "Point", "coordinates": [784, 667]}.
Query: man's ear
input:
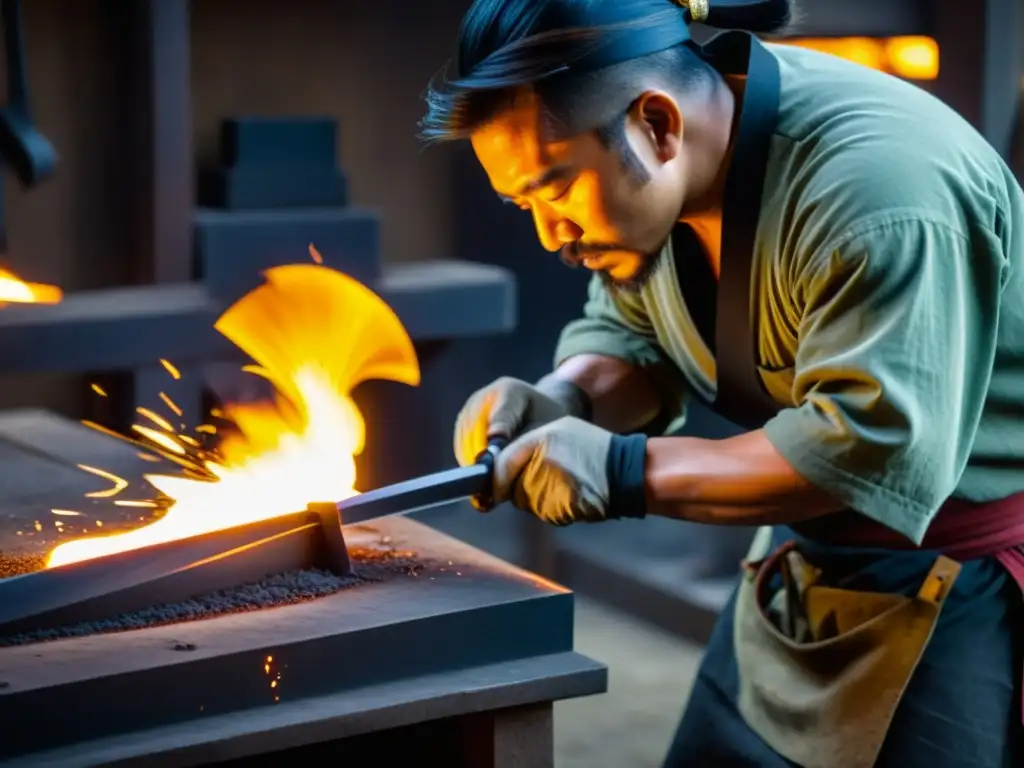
{"type": "Point", "coordinates": [660, 120]}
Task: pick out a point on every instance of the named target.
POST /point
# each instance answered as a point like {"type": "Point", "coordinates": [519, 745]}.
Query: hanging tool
{"type": "Point", "coordinates": [22, 146]}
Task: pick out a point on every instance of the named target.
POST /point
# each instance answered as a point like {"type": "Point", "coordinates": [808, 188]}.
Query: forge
{"type": "Point", "coordinates": [280, 639]}
{"type": "Point", "coordinates": [208, 623]}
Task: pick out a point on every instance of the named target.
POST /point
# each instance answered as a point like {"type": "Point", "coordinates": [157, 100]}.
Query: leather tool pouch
{"type": "Point", "coordinates": [821, 674]}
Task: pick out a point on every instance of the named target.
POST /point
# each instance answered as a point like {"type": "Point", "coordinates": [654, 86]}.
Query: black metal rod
{"type": "Point", "coordinates": [411, 495]}
{"type": "Point", "coordinates": [14, 42]}
{"type": "Point", "coordinates": [474, 482]}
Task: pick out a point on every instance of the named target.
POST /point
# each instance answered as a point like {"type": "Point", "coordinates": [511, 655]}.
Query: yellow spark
{"type": "Point", "coordinates": [171, 404]}
{"type": "Point", "coordinates": [99, 523]}
{"type": "Point", "coordinates": [37, 525]}
{"type": "Point", "coordinates": [66, 512]}
{"type": "Point", "coordinates": [273, 683]}
{"type": "Point", "coordinates": [189, 440]}
{"type": "Point", "coordinates": [160, 421]}
{"type": "Point", "coordinates": [144, 504]}
{"type": "Point", "coordinates": [98, 390]}
{"type": "Point", "coordinates": [207, 429]}
{"type": "Point", "coordinates": [314, 254]}
{"type": "Point", "coordinates": [148, 457]}
{"type": "Point", "coordinates": [101, 428]}
{"type": "Point", "coordinates": [164, 441]}
{"type": "Point", "coordinates": [217, 413]}
{"type": "Point", "coordinates": [255, 370]}
{"type": "Point", "coordinates": [169, 366]}
{"type": "Point", "coordinates": [119, 483]}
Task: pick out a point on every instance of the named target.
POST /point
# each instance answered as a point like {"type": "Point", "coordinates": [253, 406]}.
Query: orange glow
{"type": "Point", "coordinates": [16, 291]}
{"type": "Point", "coordinates": [915, 58]}
{"type": "Point", "coordinates": [314, 334]}
{"type": "Point", "coordinates": [909, 57]}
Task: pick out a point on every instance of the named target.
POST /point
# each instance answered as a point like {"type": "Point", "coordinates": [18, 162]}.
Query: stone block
{"type": "Point", "coordinates": [242, 189]}
{"type": "Point", "coordinates": [233, 248]}
{"type": "Point", "coordinates": [307, 142]}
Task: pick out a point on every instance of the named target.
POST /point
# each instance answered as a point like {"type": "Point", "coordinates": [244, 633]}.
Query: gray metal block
{"type": "Point", "coordinates": [232, 248]}
{"type": "Point", "coordinates": [280, 141]}
{"type": "Point", "coordinates": [246, 188]}
{"type": "Point", "coordinates": [125, 328]}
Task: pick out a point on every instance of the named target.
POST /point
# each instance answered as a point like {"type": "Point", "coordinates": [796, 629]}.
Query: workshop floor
{"type": "Point", "coordinates": [650, 674]}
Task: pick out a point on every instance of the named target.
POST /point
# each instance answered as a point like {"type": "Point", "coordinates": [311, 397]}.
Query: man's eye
{"type": "Point", "coordinates": [563, 194]}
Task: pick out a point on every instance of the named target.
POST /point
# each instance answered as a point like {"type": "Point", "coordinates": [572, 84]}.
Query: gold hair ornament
{"type": "Point", "coordinates": [698, 8]}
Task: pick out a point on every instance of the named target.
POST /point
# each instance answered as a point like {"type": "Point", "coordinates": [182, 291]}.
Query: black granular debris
{"type": "Point", "coordinates": [281, 589]}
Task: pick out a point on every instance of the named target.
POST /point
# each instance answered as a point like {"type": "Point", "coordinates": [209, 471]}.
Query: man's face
{"type": "Point", "coordinates": [584, 200]}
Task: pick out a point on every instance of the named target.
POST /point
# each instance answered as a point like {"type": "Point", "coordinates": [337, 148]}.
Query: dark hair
{"type": "Point", "coordinates": [505, 45]}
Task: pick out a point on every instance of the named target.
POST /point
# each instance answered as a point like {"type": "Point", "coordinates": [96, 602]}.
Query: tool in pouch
{"type": "Point", "coordinates": [475, 481]}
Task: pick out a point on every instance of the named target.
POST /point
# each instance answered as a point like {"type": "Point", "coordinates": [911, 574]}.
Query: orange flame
{"type": "Point", "coordinates": [13, 290]}
{"type": "Point", "coordinates": [315, 334]}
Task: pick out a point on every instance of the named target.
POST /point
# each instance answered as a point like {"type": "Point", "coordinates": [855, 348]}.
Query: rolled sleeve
{"type": "Point", "coordinates": [616, 324]}
{"type": "Point", "coordinates": [896, 347]}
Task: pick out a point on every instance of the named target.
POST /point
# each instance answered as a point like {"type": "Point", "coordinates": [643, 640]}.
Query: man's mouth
{"type": "Point", "coordinates": [593, 258]}
{"type": "Point", "coordinates": [596, 261]}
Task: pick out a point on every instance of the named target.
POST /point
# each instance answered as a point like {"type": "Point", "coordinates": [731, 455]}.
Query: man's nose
{"type": "Point", "coordinates": [555, 231]}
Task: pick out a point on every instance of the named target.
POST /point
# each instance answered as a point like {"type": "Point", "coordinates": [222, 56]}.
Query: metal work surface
{"type": "Point", "coordinates": [124, 328]}
{"type": "Point", "coordinates": [463, 609]}
{"type": "Point", "coordinates": [342, 715]}
{"type": "Point", "coordinates": [461, 632]}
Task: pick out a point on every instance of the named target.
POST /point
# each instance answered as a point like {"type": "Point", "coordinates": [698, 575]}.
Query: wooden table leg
{"type": "Point", "coordinates": [522, 737]}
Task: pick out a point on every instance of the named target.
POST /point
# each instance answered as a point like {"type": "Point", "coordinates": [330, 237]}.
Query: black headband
{"type": "Point", "coordinates": [628, 42]}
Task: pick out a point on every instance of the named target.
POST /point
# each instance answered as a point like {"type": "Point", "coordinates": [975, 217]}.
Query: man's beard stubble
{"type": "Point", "coordinates": [573, 254]}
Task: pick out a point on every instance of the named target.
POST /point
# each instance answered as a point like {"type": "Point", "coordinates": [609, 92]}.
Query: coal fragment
{"type": "Point", "coordinates": [18, 564]}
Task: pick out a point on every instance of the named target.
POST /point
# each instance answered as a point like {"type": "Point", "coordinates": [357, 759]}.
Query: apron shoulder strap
{"type": "Point", "coordinates": [741, 397]}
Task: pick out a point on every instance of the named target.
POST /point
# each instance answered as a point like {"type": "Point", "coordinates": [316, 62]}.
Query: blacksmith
{"type": "Point", "coordinates": [832, 259]}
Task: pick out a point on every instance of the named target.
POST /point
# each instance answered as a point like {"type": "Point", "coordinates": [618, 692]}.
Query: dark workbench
{"type": "Point", "coordinates": [460, 662]}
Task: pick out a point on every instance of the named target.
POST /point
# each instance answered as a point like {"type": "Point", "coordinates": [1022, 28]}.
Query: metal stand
{"type": "Point", "coordinates": [334, 549]}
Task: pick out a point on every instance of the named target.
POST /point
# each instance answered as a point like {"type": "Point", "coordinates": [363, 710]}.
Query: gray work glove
{"type": "Point", "coordinates": [570, 471]}
{"type": "Point", "coordinates": [510, 407]}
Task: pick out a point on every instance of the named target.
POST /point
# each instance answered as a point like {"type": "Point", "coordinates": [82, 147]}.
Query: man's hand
{"type": "Point", "coordinates": [509, 408]}
{"type": "Point", "coordinates": [569, 471]}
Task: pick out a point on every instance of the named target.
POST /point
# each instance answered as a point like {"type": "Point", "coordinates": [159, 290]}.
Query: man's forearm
{"type": "Point", "coordinates": [624, 398]}
{"type": "Point", "coordinates": [737, 481]}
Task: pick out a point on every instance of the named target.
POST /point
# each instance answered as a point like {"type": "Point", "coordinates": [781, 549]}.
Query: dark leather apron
{"type": "Point", "coordinates": [826, 700]}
